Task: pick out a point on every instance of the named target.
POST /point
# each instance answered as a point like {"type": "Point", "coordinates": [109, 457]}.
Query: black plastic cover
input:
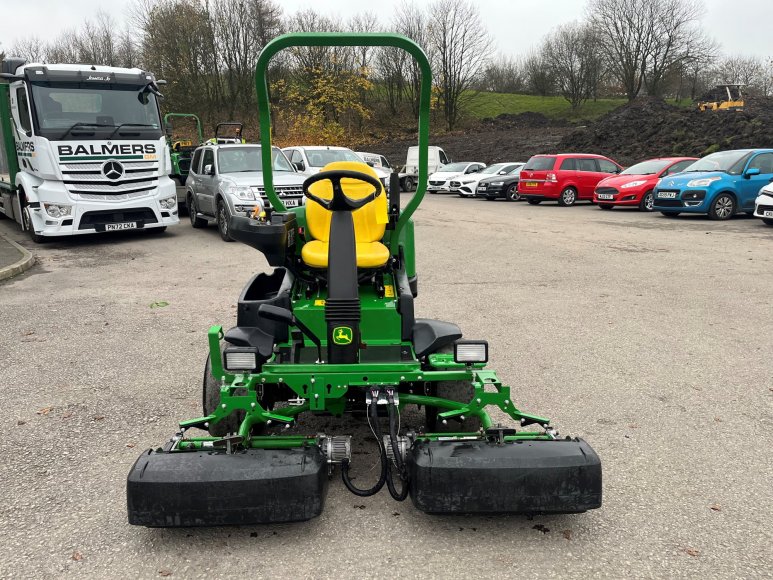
{"type": "Point", "coordinates": [212, 488]}
{"type": "Point", "coordinates": [273, 289]}
{"type": "Point", "coordinates": [430, 336]}
{"type": "Point", "coordinates": [527, 477]}
{"type": "Point", "coordinates": [274, 240]}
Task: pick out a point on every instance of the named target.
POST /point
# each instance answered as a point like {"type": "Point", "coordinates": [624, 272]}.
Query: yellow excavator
{"type": "Point", "coordinates": [718, 102]}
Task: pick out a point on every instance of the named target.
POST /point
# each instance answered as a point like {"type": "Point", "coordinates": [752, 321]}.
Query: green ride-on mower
{"type": "Point", "coordinates": [332, 330]}
{"type": "Point", "coordinates": [181, 149]}
{"type": "Point", "coordinates": [221, 133]}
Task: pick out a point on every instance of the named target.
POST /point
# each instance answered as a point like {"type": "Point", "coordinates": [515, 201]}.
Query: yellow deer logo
{"type": "Point", "coordinates": [342, 335]}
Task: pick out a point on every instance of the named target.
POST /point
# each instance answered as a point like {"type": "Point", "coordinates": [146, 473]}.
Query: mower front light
{"type": "Point", "coordinates": [470, 351]}
{"type": "Point", "coordinates": [240, 358]}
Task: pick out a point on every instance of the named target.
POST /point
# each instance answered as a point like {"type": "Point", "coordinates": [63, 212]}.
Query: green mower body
{"type": "Point", "coordinates": [345, 339]}
{"type": "Point", "coordinates": [181, 151]}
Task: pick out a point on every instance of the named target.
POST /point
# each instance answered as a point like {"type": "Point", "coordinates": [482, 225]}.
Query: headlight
{"type": "Point", "coordinates": [240, 191]}
{"type": "Point", "coordinates": [703, 181]}
{"type": "Point", "coordinates": [57, 210]}
{"type": "Point", "coordinates": [497, 183]}
{"type": "Point", "coordinates": [632, 184]}
{"type": "Point", "coordinates": [470, 351]}
{"type": "Point", "coordinates": [240, 358]}
{"type": "Point", "coordinates": [168, 203]}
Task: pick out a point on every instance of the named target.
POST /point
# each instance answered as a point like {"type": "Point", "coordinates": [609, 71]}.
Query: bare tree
{"type": "Point", "coordinates": [411, 21]}
{"type": "Point", "coordinates": [462, 47]}
{"type": "Point", "coordinates": [31, 48]}
{"type": "Point", "coordinates": [503, 75]}
{"type": "Point", "coordinates": [743, 70]}
{"type": "Point", "coordinates": [539, 76]}
{"type": "Point", "coordinates": [571, 54]}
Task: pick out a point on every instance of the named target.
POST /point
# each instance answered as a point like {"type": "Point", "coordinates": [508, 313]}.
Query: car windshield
{"type": "Point", "coordinates": [95, 111]}
{"type": "Point", "coordinates": [321, 157]}
{"type": "Point", "coordinates": [651, 167]}
{"type": "Point", "coordinates": [540, 163]}
{"type": "Point", "coordinates": [496, 168]}
{"type": "Point", "coordinates": [243, 159]}
{"type": "Point", "coordinates": [731, 162]}
{"type": "Point", "coordinates": [451, 167]}
{"type": "Point", "coordinates": [515, 169]}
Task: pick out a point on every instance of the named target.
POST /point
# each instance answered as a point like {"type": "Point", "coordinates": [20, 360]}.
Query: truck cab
{"type": "Point", "coordinates": [83, 150]}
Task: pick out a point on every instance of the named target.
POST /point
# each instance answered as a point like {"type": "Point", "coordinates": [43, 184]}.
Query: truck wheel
{"type": "Point", "coordinates": [512, 193]}
{"type": "Point", "coordinates": [461, 391]}
{"type": "Point", "coordinates": [222, 221]}
{"type": "Point", "coordinates": [647, 202]}
{"type": "Point", "coordinates": [722, 208]}
{"type": "Point", "coordinates": [196, 222]}
{"type": "Point", "coordinates": [568, 197]}
{"type": "Point", "coordinates": [534, 201]}
{"type": "Point", "coordinates": [407, 184]}
{"type": "Point", "coordinates": [27, 225]}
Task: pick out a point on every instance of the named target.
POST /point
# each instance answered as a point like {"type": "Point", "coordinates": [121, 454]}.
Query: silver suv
{"type": "Point", "coordinates": [225, 180]}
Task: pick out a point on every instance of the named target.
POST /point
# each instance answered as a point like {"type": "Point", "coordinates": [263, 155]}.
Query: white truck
{"type": "Point", "coordinates": [410, 175]}
{"type": "Point", "coordinates": [82, 150]}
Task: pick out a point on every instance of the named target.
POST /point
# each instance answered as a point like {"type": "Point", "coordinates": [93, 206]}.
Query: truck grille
{"type": "Point", "coordinates": [88, 181]}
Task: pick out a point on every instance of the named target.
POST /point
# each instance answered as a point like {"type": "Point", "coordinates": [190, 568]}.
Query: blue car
{"type": "Point", "coordinates": [720, 185]}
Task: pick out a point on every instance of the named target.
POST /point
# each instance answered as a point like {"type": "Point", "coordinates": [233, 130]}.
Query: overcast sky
{"type": "Point", "coordinates": [741, 26]}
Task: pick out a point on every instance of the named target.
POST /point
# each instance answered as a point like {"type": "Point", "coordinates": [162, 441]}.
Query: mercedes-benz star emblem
{"type": "Point", "coordinates": [112, 170]}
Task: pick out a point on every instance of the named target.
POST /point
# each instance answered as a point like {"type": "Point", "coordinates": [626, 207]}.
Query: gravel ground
{"type": "Point", "coordinates": [650, 337]}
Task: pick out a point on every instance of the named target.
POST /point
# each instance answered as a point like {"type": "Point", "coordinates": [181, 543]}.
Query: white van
{"type": "Point", "coordinates": [437, 158]}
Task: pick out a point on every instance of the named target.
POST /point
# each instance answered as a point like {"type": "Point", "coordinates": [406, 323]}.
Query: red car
{"type": "Point", "coordinates": [565, 177]}
{"type": "Point", "coordinates": [634, 185]}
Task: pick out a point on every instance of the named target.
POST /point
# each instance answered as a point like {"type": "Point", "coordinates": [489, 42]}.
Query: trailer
{"type": "Point", "coordinates": [82, 150]}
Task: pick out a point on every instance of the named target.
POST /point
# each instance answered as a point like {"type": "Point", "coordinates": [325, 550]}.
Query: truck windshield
{"type": "Point", "coordinates": [244, 159]}
{"type": "Point", "coordinates": [731, 162]}
{"type": "Point", "coordinates": [77, 111]}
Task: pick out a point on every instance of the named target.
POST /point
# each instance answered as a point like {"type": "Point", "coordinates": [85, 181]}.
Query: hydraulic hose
{"type": "Point", "coordinates": [384, 461]}
{"type": "Point", "coordinates": [402, 471]}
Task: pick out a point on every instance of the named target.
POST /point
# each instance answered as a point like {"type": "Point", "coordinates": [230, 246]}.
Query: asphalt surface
{"type": "Point", "coordinates": [650, 337]}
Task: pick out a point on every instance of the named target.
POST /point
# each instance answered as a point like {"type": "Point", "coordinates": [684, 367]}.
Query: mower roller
{"type": "Point", "coordinates": [331, 330]}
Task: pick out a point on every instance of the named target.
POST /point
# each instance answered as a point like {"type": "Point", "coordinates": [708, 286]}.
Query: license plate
{"type": "Point", "coordinates": [530, 183]}
{"type": "Point", "coordinates": [291, 202]}
{"type": "Point", "coordinates": [605, 196]}
{"type": "Point", "coordinates": [768, 214]}
{"type": "Point", "coordinates": [121, 226]}
{"type": "Point", "coordinates": [482, 188]}
{"type": "Point", "coordinates": [666, 194]}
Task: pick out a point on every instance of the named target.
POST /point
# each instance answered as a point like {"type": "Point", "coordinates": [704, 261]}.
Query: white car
{"type": "Point", "coordinates": [467, 185]}
{"type": "Point", "coordinates": [763, 205]}
{"type": "Point", "coordinates": [441, 179]}
{"type": "Point", "coordinates": [311, 159]}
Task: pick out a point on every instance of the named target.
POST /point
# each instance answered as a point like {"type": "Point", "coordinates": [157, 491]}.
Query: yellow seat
{"type": "Point", "coordinates": [369, 221]}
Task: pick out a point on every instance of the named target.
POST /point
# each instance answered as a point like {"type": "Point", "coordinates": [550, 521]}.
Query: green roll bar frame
{"type": "Point", "coordinates": [186, 116]}
{"type": "Point", "coordinates": [344, 39]}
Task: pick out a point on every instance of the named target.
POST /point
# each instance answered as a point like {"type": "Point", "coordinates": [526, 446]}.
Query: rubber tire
{"type": "Point", "coordinates": [562, 202]}
{"type": "Point", "coordinates": [606, 206]}
{"type": "Point", "coordinates": [222, 208]}
{"type": "Point", "coordinates": [512, 193]}
{"type": "Point", "coordinates": [407, 184]}
{"type": "Point", "coordinates": [210, 399]}
{"type": "Point", "coordinates": [713, 208]}
{"type": "Point", "coordinates": [767, 221]}
{"type": "Point", "coordinates": [643, 202]}
{"type": "Point", "coordinates": [534, 201]}
{"type": "Point", "coordinates": [670, 213]}
{"type": "Point", "coordinates": [27, 224]}
{"type": "Point", "coordinates": [196, 222]}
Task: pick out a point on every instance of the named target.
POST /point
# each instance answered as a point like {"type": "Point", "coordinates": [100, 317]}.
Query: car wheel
{"type": "Point", "coordinates": [605, 206]}
{"type": "Point", "coordinates": [647, 202]}
{"type": "Point", "coordinates": [196, 222]}
{"type": "Point", "coordinates": [534, 201]}
{"type": "Point", "coordinates": [767, 221]}
{"type": "Point", "coordinates": [512, 193]}
{"type": "Point", "coordinates": [222, 221]}
{"type": "Point", "coordinates": [723, 207]}
{"type": "Point", "coordinates": [26, 218]}
{"type": "Point", "coordinates": [670, 213]}
{"type": "Point", "coordinates": [407, 184]}
{"type": "Point", "coordinates": [568, 197]}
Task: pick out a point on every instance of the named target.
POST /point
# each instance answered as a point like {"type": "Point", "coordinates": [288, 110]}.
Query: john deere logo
{"type": "Point", "coordinates": [342, 335]}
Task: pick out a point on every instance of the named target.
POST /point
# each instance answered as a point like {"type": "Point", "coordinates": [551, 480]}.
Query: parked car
{"type": "Point", "coordinates": [311, 159]}
{"type": "Point", "coordinates": [565, 178]}
{"type": "Point", "coordinates": [720, 185]}
{"type": "Point", "coordinates": [467, 185]}
{"type": "Point", "coordinates": [634, 185]}
{"type": "Point", "coordinates": [501, 185]}
{"type": "Point", "coordinates": [225, 180]}
{"type": "Point", "coordinates": [436, 158]}
{"type": "Point", "coordinates": [441, 179]}
{"type": "Point", "coordinates": [763, 205]}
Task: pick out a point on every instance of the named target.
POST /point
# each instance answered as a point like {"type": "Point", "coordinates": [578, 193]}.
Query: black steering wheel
{"type": "Point", "coordinates": [340, 201]}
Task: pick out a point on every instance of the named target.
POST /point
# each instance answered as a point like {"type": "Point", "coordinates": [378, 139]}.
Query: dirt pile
{"type": "Point", "coordinates": [649, 127]}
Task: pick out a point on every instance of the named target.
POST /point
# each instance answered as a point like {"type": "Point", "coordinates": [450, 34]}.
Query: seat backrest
{"type": "Point", "coordinates": [369, 221]}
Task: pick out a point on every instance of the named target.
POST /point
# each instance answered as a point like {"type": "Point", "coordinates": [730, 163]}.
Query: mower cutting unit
{"type": "Point", "coordinates": [332, 330]}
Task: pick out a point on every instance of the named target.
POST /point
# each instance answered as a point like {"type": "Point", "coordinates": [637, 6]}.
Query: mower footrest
{"type": "Point", "coordinates": [528, 477]}
{"type": "Point", "coordinates": [212, 488]}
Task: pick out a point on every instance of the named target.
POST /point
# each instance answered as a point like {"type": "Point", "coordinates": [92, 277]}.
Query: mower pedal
{"type": "Point", "coordinates": [214, 488]}
{"type": "Point", "coordinates": [523, 477]}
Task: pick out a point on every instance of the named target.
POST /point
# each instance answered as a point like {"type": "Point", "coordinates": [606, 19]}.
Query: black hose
{"type": "Point", "coordinates": [384, 461]}
{"type": "Point", "coordinates": [402, 471]}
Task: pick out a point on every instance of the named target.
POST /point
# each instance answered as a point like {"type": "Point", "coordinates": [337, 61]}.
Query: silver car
{"type": "Point", "coordinates": [225, 180]}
